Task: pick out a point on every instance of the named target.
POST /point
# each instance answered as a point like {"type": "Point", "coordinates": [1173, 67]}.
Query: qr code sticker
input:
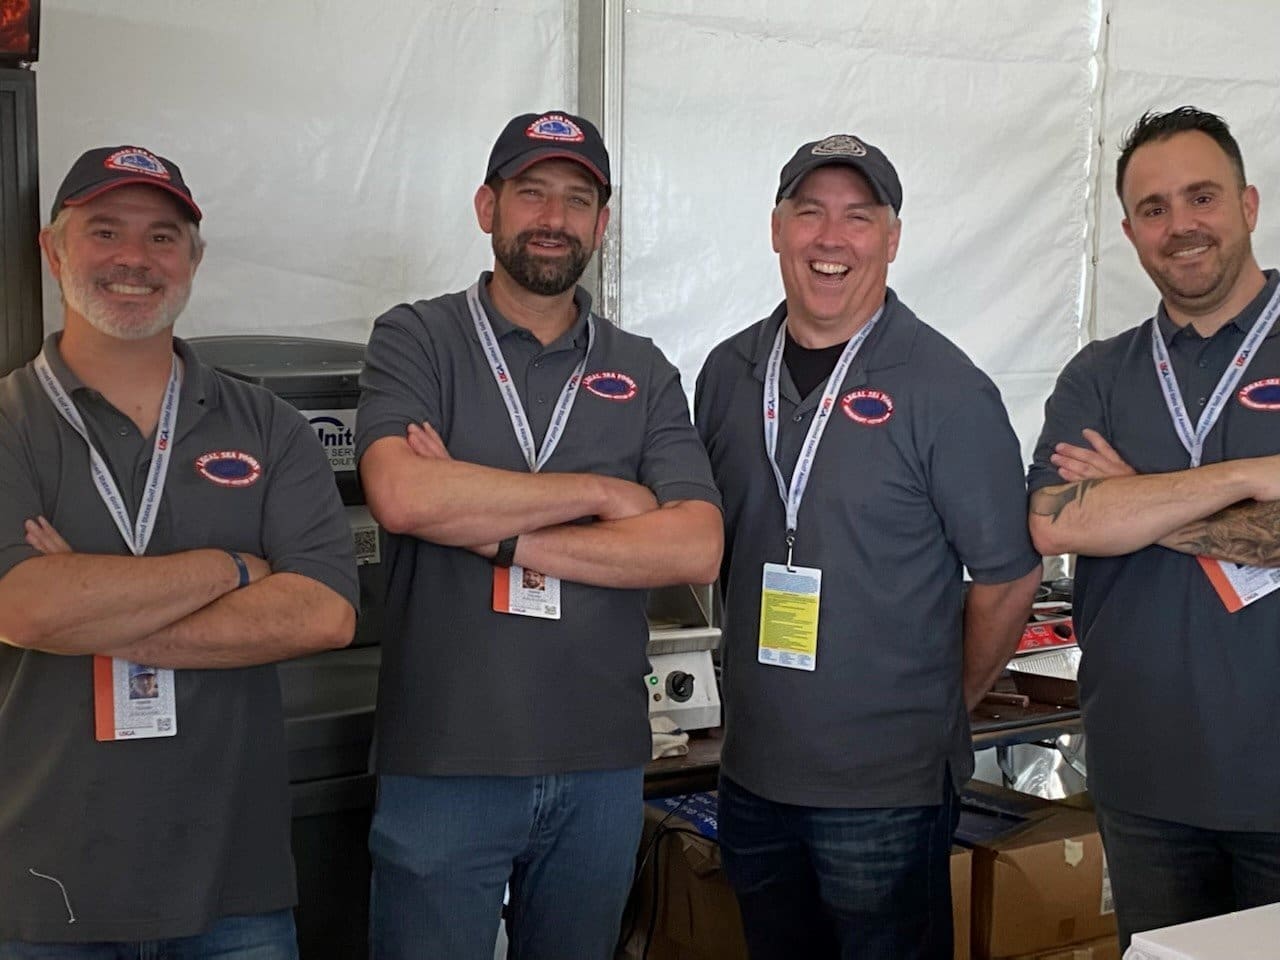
{"type": "Point", "coordinates": [366, 540]}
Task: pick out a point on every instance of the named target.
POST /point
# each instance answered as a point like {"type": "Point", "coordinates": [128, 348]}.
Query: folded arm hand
{"type": "Point", "coordinates": [1106, 509]}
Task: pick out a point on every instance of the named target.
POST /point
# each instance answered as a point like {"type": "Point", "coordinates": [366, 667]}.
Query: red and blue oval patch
{"type": "Point", "coordinates": [611, 385]}
{"type": "Point", "coordinates": [870, 407]}
{"type": "Point", "coordinates": [1261, 394]}
{"type": "Point", "coordinates": [229, 468]}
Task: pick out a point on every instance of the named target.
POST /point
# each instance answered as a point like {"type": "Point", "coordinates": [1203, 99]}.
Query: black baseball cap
{"type": "Point", "coordinates": [532, 137]}
{"type": "Point", "coordinates": [847, 150]}
{"type": "Point", "coordinates": [106, 168]}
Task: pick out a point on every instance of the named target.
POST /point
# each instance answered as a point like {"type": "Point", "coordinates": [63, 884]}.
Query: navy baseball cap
{"type": "Point", "coordinates": [846, 150]}
{"type": "Point", "coordinates": [106, 168]}
{"type": "Point", "coordinates": [532, 137]}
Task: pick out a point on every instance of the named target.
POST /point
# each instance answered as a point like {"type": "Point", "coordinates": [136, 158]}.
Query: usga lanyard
{"type": "Point", "coordinates": [138, 535]}
{"type": "Point", "coordinates": [536, 459]}
{"type": "Point", "coordinates": [1193, 439]}
{"type": "Point", "coordinates": [792, 496]}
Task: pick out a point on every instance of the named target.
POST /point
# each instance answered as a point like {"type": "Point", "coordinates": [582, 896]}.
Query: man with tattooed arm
{"type": "Point", "coordinates": [1159, 465]}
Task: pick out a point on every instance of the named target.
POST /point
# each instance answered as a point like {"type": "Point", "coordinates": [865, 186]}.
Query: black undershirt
{"type": "Point", "coordinates": [809, 368]}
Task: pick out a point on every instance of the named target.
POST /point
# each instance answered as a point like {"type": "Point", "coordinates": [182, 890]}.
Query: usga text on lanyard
{"type": "Point", "coordinates": [536, 459]}
{"type": "Point", "coordinates": [1193, 438]}
{"type": "Point", "coordinates": [136, 535]}
{"type": "Point", "coordinates": [791, 496]}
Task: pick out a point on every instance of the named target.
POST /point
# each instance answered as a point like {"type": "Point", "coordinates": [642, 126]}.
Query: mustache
{"type": "Point", "coordinates": [136, 276]}
{"type": "Point", "coordinates": [1187, 241]}
{"type": "Point", "coordinates": [555, 236]}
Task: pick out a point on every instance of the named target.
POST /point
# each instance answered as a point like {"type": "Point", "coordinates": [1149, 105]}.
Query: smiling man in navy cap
{"type": "Point", "coordinates": [863, 461]}
{"type": "Point", "coordinates": [166, 534]}
{"type": "Point", "coordinates": [537, 470]}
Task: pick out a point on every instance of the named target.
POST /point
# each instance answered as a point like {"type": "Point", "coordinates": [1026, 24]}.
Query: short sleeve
{"type": "Point", "coordinates": [305, 529]}
{"type": "Point", "coordinates": [674, 464]}
{"type": "Point", "coordinates": [19, 496]}
{"type": "Point", "coordinates": [1076, 403]}
{"type": "Point", "coordinates": [977, 488]}
{"type": "Point", "coordinates": [400, 383]}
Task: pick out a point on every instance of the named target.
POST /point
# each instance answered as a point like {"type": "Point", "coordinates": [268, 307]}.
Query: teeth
{"type": "Point", "coordinates": [129, 289]}
{"type": "Point", "coordinates": [1192, 252]}
{"type": "Point", "coordinates": [832, 269]}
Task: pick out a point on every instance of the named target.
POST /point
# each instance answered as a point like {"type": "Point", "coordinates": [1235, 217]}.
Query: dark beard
{"type": "Point", "coordinates": [544, 276]}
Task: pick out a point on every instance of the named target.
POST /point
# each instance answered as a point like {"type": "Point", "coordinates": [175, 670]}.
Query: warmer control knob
{"type": "Point", "coordinates": [679, 685]}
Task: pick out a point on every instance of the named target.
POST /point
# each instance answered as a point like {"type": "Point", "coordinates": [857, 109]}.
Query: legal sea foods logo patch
{"type": "Point", "coordinates": [841, 145]}
{"type": "Point", "coordinates": [1261, 395]}
{"type": "Point", "coordinates": [229, 468]}
{"type": "Point", "coordinates": [555, 126]}
{"type": "Point", "coordinates": [611, 385]}
{"type": "Point", "coordinates": [870, 407]}
{"type": "Point", "coordinates": [136, 160]}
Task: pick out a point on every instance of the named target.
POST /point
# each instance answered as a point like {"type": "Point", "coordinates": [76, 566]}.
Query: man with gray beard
{"type": "Point", "coordinates": [166, 534]}
{"type": "Point", "coordinates": [537, 470]}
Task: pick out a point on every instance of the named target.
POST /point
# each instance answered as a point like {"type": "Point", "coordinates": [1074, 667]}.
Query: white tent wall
{"type": "Point", "coordinates": [984, 107]}
{"type": "Point", "coordinates": [1161, 54]}
{"type": "Point", "coordinates": [333, 146]}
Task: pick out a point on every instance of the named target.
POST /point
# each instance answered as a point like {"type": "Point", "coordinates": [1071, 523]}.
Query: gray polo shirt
{"type": "Point", "coordinates": [920, 476]}
{"type": "Point", "coordinates": [1179, 695]}
{"type": "Point", "coordinates": [153, 838]}
{"type": "Point", "coordinates": [465, 690]}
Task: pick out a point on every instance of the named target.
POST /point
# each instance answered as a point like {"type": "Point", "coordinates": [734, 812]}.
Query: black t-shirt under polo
{"type": "Point", "coordinates": [918, 473]}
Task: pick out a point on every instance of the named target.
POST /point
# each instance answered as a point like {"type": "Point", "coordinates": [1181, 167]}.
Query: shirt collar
{"type": "Point", "coordinates": [198, 379]}
{"type": "Point", "coordinates": [1243, 321]}
{"type": "Point", "coordinates": [575, 336]}
{"type": "Point", "coordinates": [887, 346]}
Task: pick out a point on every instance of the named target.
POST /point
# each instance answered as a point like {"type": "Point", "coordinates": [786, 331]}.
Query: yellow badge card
{"type": "Point", "coordinates": [789, 616]}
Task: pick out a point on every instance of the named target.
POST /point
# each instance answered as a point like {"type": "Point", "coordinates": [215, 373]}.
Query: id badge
{"type": "Point", "coordinates": [132, 701]}
{"type": "Point", "coordinates": [526, 593]}
{"type": "Point", "coordinates": [789, 616]}
{"type": "Point", "coordinates": [1238, 585]}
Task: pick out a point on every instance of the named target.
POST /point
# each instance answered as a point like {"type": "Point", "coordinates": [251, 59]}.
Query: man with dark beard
{"type": "Point", "coordinates": [502, 431]}
{"type": "Point", "coordinates": [1159, 464]}
{"type": "Point", "coordinates": [166, 534]}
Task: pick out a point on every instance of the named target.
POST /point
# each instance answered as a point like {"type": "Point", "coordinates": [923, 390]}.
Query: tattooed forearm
{"type": "Point", "coordinates": [1244, 533]}
{"type": "Point", "coordinates": [1051, 503]}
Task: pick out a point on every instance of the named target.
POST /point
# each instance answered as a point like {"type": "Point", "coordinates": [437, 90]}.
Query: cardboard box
{"type": "Point", "coordinates": [696, 915]}
{"type": "Point", "coordinates": [1104, 948]}
{"type": "Point", "coordinates": [1042, 887]}
{"type": "Point", "coordinates": [961, 899]}
{"type": "Point", "coordinates": [682, 907]}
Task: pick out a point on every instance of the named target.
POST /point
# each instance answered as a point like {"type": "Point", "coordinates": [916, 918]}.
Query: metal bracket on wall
{"type": "Point", "coordinates": [600, 55]}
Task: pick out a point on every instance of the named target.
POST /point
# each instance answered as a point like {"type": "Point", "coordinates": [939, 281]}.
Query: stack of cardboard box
{"type": "Point", "coordinates": [1029, 884]}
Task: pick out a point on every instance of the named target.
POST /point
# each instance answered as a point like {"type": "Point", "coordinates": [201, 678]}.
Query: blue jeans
{"type": "Point", "coordinates": [264, 936]}
{"type": "Point", "coordinates": [1164, 873]}
{"type": "Point", "coordinates": [818, 882]}
{"type": "Point", "coordinates": [444, 848]}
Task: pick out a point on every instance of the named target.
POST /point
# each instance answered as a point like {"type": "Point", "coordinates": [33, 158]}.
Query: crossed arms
{"type": "Point", "coordinates": [415, 487]}
{"type": "Point", "coordinates": [179, 611]}
{"type": "Point", "coordinates": [1226, 511]}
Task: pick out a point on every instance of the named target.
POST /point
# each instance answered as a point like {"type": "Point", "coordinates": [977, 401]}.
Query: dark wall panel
{"type": "Point", "coordinates": [21, 322]}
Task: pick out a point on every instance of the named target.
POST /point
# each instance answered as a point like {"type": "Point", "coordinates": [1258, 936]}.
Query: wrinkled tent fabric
{"type": "Point", "coordinates": [335, 148]}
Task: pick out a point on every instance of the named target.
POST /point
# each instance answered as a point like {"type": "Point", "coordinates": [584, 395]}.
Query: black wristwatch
{"type": "Point", "coordinates": [506, 552]}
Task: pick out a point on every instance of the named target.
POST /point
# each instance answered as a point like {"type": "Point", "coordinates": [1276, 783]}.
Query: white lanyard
{"type": "Point", "coordinates": [792, 496]}
{"type": "Point", "coordinates": [537, 459]}
{"type": "Point", "coordinates": [136, 536]}
{"type": "Point", "coordinates": [1193, 439]}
